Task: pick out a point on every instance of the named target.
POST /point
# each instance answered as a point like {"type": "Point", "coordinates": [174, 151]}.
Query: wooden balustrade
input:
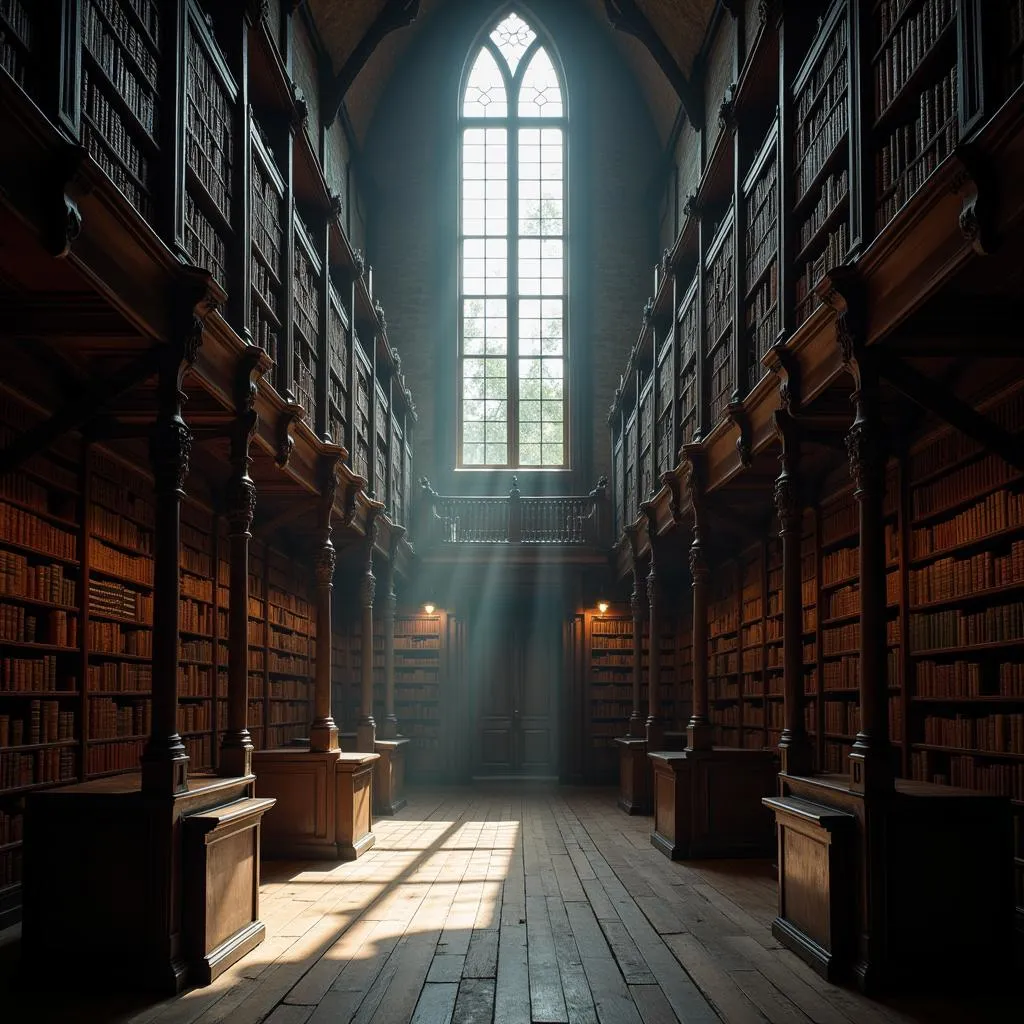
{"type": "Point", "coordinates": [561, 519]}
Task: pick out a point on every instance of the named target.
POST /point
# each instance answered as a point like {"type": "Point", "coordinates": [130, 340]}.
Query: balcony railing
{"type": "Point", "coordinates": [563, 519]}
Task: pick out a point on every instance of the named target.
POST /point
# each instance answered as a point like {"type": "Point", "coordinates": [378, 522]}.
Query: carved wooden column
{"type": "Point", "coordinates": [794, 745]}
{"type": "Point", "coordinates": [389, 727]}
{"type": "Point", "coordinates": [867, 449]}
{"type": "Point", "coordinates": [237, 747]}
{"type": "Point", "coordinates": [323, 734]}
{"type": "Point", "coordinates": [655, 727]}
{"type": "Point", "coordinates": [638, 604]}
{"type": "Point", "coordinates": [164, 761]}
{"type": "Point", "coordinates": [366, 729]}
{"type": "Point", "coordinates": [871, 768]}
{"type": "Point", "coordinates": [698, 731]}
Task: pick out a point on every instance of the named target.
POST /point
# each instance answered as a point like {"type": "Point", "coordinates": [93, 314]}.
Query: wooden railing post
{"type": "Point", "coordinates": [515, 514]}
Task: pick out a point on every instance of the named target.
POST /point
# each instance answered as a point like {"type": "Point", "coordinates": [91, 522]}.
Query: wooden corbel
{"type": "Point", "coordinates": [670, 479]}
{"type": "Point", "coordinates": [253, 363]}
{"type": "Point", "coordinates": [727, 109]}
{"type": "Point", "coordinates": [736, 414]}
{"type": "Point", "coordinates": [780, 362]}
{"type": "Point", "coordinates": [350, 492]}
{"type": "Point", "coordinates": [285, 442]}
{"type": "Point", "coordinates": [64, 219]}
{"type": "Point", "coordinates": [842, 291]}
{"type": "Point", "coordinates": [975, 184]}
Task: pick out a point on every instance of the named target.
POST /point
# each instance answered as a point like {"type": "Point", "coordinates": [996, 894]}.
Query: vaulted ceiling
{"type": "Point", "coordinates": [680, 25]}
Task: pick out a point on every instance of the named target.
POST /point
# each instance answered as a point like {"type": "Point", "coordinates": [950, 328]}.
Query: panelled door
{"type": "Point", "coordinates": [515, 677]}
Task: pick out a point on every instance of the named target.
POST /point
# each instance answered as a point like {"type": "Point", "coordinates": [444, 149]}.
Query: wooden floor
{"type": "Point", "coordinates": [508, 905]}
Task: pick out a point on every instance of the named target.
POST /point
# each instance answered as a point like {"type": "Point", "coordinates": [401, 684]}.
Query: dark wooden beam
{"type": "Point", "coordinates": [90, 400]}
{"type": "Point", "coordinates": [941, 402]}
{"type": "Point", "coordinates": [395, 14]}
{"type": "Point", "coordinates": [627, 17]}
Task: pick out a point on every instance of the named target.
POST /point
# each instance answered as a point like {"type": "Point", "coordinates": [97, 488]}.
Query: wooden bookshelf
{"type": "Point", "coordinates": [821, 156]}
{"type": "Point", "coordinates": [307, 282]}
{"type": "Point", "coordinates": [211, 101]}
{"type": "Point", "coordinates": [266, 225]}
{"type": "Point", "coordinates": [120, 102]}
{"type": "Point", "coordinates": [362, 375]}
{"type": "Point", "coordinates": [646, 464]}
{"type": "Point", "coordinates": [291, 633]}
{"type": "Point", "coordinates": [761, 272]}
{"type": "Point", "coordinates": [719, 281]}
{"type": "Point", "coordinates": [688, 321]}
{"type": "Point", "coordinates": [665, 428]}
{"type": "Point", "coordinates": [18, 33]}
{"type": "Point", "coordinates": [421, 670]}
{"type": "Point", "coordinates": [724, 655]}
{"type": "Point", "coordinates": [916, 115]}
{"type": "Point", "coordinates": [608, 687]}
{"type": "Point", "coordinates": [756, 715]}
{"type": "Point", "coordinates": [338, 358]}
{"type": "Point", "coordinates": [631, 471]}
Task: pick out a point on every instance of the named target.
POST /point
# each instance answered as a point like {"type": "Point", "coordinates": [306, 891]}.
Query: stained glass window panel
{"type": "Point", "coordinates": [540, 94]}
{"type": "Point", "coordinates": [512, 37]}
{"type": "Point", "coordinates": [485, 90]}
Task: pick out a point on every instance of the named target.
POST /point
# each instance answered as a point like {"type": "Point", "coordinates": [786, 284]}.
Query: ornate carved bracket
{"type": "Point", "coordinates": [692, 206]}
{"type": "Point", "coordinates": [285, 441]}
{"type": "Point", "coordinates": [727, 109]}
{"type": "Point", "coordinates": [648, 312]}
{"type": "Point", "coordinates": [258, 10]}
{"type": "Point", "coordinates": [693, 476]}
{"type": "Point", "coordinates": [738, 415]}
{"type": "Point", "coordinates": [299, 113]}
{"type": "Point", "coordinates": [842, 291]}
{"type": "Point", "coordinates": [975, 184]}
{"type": "Point", "coordinates": [378, 310]}
{"type": "Point", "coordinates": [781, 362]}
{"type": "Point", "coordinates": [64, 219]}
{"type": "Point", "coordinates": [329, 464]}
{"type": "Point", "coordinates": [671, 480]}
{"type": "Point", "coordinates": [337, 205]}
{"type": "Point", "coordinates": [359, 259]}
{"type": "Point", "coordinates": [786, 491]}
{"type": "Point", "coordinates": [253, 363]}
{"type": "Point", "coordinates": [348, 501]}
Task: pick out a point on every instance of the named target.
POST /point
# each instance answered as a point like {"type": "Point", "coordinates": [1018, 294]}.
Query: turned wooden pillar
{"type": "Point", "coordinates": [655, 727]}
{"type": "Point", "coordinates": [638, 604]}
{"type": "Point", "coordinates": [389, 727]}
{"type": "Point", "coordinates": [794, 745]}
{"type": "Point", "coordinates": [870, 764]}
{"type": "Point", "coordinates": [323, 733]}
{"type": "Point", "coordinates": [366, 729]}
{"type": "Point", "coordinates": [236, 747]}
{"type": "Point", "coordinates": [698, 731]}
{"type": "Point", "coordinates": [164, 760]}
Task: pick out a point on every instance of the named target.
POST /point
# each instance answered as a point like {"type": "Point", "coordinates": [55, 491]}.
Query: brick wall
{"type": "Point", "coordinates": [615, 184]}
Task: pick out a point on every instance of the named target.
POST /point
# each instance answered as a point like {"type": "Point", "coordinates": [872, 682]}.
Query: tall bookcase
{"type": "Point", "coordinates": [724, 655]}
{"type": "Point", "coordinates": [41, 633]}
{"type": "Point", "coordinates": [811, 639]}
{"type": "Point", "coordinates": [916, 110]}
{"type": "Point", "coordinates": [719, 282]}
{"type": "Point", "coordinates": [291, 633]}
{"type": "Point", "coordinates": [753, 649]}
{"type": "Point", "coordinates": [761, 272]}
{"type": "Point", "coordinates": [308, 281]}
{"type": "Point", "coordinates": [120, 101]}
{"type": "Point", "coordinates": [688, 325]}
{"type": "Point", "coordinates": [820, 99]}
{"type": "Point", "coordinates": [608, 686]}
{"type": "Point", "coordinates": [266, 224]}
{"type": "Point", "coordinates": [966, 618]}
{"type": "Point", "coordinates": [421, 676]}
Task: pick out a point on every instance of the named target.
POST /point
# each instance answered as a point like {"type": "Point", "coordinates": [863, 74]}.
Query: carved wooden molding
{"type": "Point", "coordinates": [975, 184]}
{"type": "Point", "coordinates": [285, 441]}
{"type": "Point", "coordinates": [842, 291]}
{"type": "Point", "coordinates": [736, 414]}
{"type": "Point", "coordinates": [348, 501]}
{"type": "Point", "coordinates": [781, 363]}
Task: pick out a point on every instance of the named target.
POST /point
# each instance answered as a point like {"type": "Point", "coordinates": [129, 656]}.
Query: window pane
{"type": "Point", "coordinates": [472, 454]}
{"type": "Point", "coordinates": [512, 37]}
{"type": "Point", "coordinates": [485, 90]}
{"type": "Point", "coordinates": [484, 181]}
{"type": "Point", "coordinates": [529, 454]}
{"type": "Point", "coordinates": [540, 95]}
{"type": "Point", "coordinates": [540, 181]}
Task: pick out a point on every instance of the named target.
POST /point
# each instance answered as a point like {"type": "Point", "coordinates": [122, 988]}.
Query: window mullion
{"type": "Point", "coordinates": [513, 285]}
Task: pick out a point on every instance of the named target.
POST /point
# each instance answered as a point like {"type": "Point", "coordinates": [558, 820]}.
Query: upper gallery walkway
{"type": "Point", "coordinates": [506, 904]}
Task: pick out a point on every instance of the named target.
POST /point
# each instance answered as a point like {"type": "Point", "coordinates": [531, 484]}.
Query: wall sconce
{"type": "Point", "coordinates": [428, 608]}
{"type": "Point", "coordinates": [602, 606]}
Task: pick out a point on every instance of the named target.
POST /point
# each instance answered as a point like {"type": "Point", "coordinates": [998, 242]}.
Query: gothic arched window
{"type": "Point", "coordinates": [513, 397]}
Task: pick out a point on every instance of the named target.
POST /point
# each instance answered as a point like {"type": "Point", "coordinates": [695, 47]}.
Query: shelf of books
{"type": "Point", "coordinates": [18, 57]}
{"type": "Point", "coordinates": [666, 447]}
{"type": "Point", "coordinates": [119, 615]}
{"type": "Point", "coordinates": [915, 116]}
{"type": "Point", "coordinates": [761, 273]}
{"type": "Point", "coordinates": [688, 325]}
{"type": "Point", "coordinates": [338, 356]}
{"type": "Point", "coordinates": [291, 634]}
{"type": "Point", "coordinates": [821, 155]}
{"type": "Point", "coordinates": [755, 712]}
{"type": "Point", "coordinates": [609, 687]}
{"type": "Point", "coordinates": [41, 632]}
{"type": "Point", "coordinates": [724, 655]}
{"type": "Point", "coordinates": [966, 617]}
{"type": "Point", "coordinates": [719, 282]}
{"type": "Point", "coordinates": [120, 102]}
{"type": "Point", "coordinates": [266, 223]}
{"type": "Point", "coordinates": [811, 640]}
{"type": "Point", "coordinates": [421, 669]}
{"type": "Point", "coordinates": [840, 624]}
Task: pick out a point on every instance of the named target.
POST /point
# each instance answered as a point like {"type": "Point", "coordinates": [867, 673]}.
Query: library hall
{"type": "Point", "coordinates": [511, 512]}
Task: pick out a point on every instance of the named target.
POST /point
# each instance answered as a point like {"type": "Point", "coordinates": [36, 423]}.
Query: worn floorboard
{"type": "Point", "coordinates": [505, 905]}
